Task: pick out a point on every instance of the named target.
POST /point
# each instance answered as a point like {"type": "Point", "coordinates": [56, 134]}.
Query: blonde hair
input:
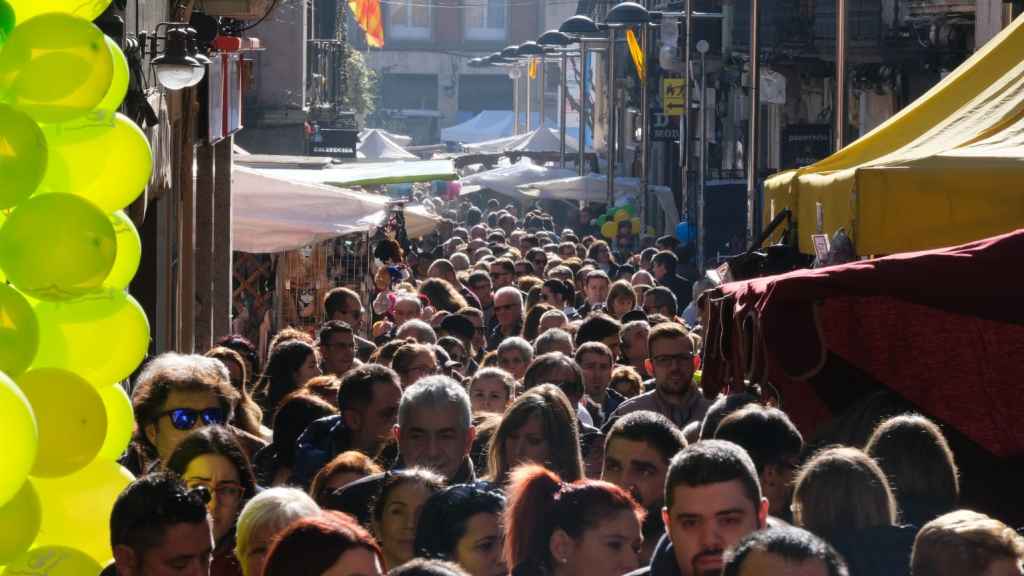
{"type": "Point", "coordinates": [842, 488]}
{"type": "Point", "coordinates": [963, 542]}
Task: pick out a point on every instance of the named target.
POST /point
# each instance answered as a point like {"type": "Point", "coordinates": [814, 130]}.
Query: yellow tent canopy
{"type": "Point", "coordinates": [945, 170]}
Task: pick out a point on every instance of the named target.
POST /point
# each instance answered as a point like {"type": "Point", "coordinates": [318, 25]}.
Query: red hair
{"type": "Point", "coordinates": [313, 545]}
{"type": "Point", "coordinates": [539, 503]}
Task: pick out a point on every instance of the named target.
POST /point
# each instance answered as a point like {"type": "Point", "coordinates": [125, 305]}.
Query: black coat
{"type": "Point", "coordinates": [878, 551]}
{"type": "Point", "coordinates": [663, 561]}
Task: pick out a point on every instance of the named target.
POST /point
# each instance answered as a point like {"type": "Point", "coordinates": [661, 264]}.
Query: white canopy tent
{"type": "Point", "coordinates": [507, 180]}
{"type": "Point", "coordinates": [400, 139]}
{"type": "Point", "coordinates": [487, 125]}
{"type": "Point", "coordinates": [273, 213]}
{"type": "Point", "coordinates": [543, 139]}
{"type": "Point", "coordinates": [593, 188]}
{"type": "Point", "coordinates": [370, 173]}
{"type": "Point", "coordinates": [377, 145]}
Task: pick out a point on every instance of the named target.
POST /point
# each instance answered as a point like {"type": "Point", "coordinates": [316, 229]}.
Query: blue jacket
{"type": "Point", "coordinates": [322, 441]}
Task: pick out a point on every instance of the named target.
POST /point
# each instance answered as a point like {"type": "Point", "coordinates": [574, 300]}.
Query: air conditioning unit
{"type": "Point", "coordinates": [237, 9]}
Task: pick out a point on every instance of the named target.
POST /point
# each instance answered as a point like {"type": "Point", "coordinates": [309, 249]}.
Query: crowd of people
{"type": "Point", "coordinates": [525, 403]}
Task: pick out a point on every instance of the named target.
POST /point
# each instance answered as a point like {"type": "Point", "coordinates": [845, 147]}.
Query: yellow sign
{"type": "Point", "coordinates": [673, 96]}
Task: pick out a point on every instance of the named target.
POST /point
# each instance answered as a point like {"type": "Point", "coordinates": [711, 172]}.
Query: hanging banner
{"type": "Point", "coordinates": [636, 52]}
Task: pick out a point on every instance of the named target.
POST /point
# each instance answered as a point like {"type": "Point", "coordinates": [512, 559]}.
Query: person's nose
{"type": "Point", "coordinates": [710, 538]}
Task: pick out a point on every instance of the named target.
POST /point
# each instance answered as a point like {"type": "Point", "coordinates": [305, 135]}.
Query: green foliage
{"type": "Point", "coordinates": [361, 85]}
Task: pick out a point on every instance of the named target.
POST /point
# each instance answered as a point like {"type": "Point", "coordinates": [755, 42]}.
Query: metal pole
{"type": "Point", "coordinates": [515, 101]}
{"type": "Point", "coordinates": [702, 126]}
{"type": "Point", "coordinates": [645, 122]}
{"type": "Point", "coordinates": [561, 115]}
{"type": "Point", "coordinates": [529, 101]}
{"type": "Point", "coordinates": [610, 136]}
{"type": "Point", "coordinates": [540, 77]}
{"type": "Point", "coordinates": [841, 102]}
{"type": "Point", "coordinates": [584, 96]}
{"type": "Point", "coordinates": [685, 127]}
{"type": "Point", "coordinates": [752, 148]}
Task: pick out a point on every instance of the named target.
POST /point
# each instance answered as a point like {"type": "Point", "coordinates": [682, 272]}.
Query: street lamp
{"type": "Point", "coordinates": [528, 50]}
{"type": "Point", "coordinates": [622, 15]}
{"type": "Point", "coordinates": [175, 68]}
{"type": "Point", "coordinates": [581, 28]}
{"type": "Point", "coordinates": [561, 41]}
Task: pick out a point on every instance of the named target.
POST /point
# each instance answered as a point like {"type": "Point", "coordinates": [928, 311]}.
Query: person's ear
{"type": "Point", "coordinates": [470, 436]}
{"type": "Point", "coordinates": [398, 433]}
{"type": "Point", "coordinates": [648, 365]}
{"type": "Point", "coordinates": [150, 431]}
{"type": "Point", "coordinates": [762, 514]}
{"type": "Point", "coordinates": [665, 519]}
{"type": "Point", "coordinates": [126, 561]}
{"type": "Point", "coordinates": [561, 546]}
{"type": "Point", "coordinates": [353, 419]}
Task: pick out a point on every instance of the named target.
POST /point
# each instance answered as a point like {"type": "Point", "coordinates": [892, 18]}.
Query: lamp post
{"type": "Point", "coordinates": [702, 48]}
{"type": "Point", "coordinates": [532, 50]}
{"type": "Point", "coordinates": [623, 14]}
{"type": "Point", "coordinates": [559, 40]}
{"type": "Point", "coordinates": [581, 27]}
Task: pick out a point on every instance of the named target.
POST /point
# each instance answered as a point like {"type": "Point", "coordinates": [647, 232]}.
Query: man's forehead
{"type": "Point", "coordinates": [627, 449]}
{"type": "Point", "coordinates": [709, 499]}
{"type": "Point", "coordinates": [761, 562]}
{"type": "Point", "coordinates": [190, 398]}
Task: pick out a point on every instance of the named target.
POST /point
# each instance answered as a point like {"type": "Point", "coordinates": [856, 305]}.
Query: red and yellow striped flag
{"type": "Point", "coordinates": [367, 14]}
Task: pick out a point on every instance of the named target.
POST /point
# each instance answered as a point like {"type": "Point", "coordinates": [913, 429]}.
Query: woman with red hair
{"type": "Point", "coordinates": [582, 528]}
{"type": "Point", "coordinates": [330, 544]}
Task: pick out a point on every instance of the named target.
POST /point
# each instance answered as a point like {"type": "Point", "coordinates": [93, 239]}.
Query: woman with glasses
{"type": "Point", "coordinates": [211, 457]}
{"type": "Point", "coordinates": [462, 524]}
{"type": "Point", "coordinates": [412, 362]}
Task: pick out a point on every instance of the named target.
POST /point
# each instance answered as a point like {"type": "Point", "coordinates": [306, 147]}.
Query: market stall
{"type": "Point", "coordinates": [946, 169]}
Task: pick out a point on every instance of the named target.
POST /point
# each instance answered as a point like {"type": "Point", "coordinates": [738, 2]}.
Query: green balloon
{"type": "Point", "coordinates": [53, 561]}
{"type": "Point", "coordinates": [70, 336]}
{"type": "Point", "coordinates": [19, 523]}
{"type": "Point", "coordinates": [72, 420]}
{"type": "Point", "coordinates": [22, 156]}
{"type": "Point", "coordinates": [76, 508]}
{"type": "Point", "coordinates": [3, 218]}
{"type": "Point", "coordinates": [20, 438]}
{"type": "Point", "coordinates": [19, 332]}
{"type": "Point", "coordinates": [630, 209]}
{"type": "Point", "coordinates": [55, 67]}
{"type": "Point", "coordinates": [601, 220]}
{"type": "Point", "coordinates": [120, 422]}
{"type": "Point", "coordinates": [129, 251]}
{"type": "Point", "coordinates": [57, 246]}
{"type": "Point", "coordinates": [119, 83]}
{"type": "Point", "coordinates": [6, 21]}
{"type": "Point", "coordinates": [107, 160]}
{"type": "Point", "coordinates": [88, 9]}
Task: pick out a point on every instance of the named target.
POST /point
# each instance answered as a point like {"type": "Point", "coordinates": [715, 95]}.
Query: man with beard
{"type": "Point", "coordinates": [637, 453]}
{"type": "Point", "coordinates": [675, 395]}
{"type": "Point", "coordinates": [712, 500]}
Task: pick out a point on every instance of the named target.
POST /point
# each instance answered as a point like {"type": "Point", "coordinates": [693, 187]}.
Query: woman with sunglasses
{"type": "Point", "coordinates": [211, 457]}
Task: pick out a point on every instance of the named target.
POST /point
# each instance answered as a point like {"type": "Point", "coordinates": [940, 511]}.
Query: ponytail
{"type": "Point", "coordinates": [528, 528]}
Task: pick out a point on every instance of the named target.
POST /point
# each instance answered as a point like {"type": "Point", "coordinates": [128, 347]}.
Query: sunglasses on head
{"type": "Point", "coordinates": [186, 418]}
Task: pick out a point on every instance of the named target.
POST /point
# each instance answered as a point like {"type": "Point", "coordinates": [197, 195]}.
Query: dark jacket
{"type": "Point", "coordinates": [878, 551]}
{"type": "Point", "coordinates": [364, 349]}
{"type": "Point", "coordinates": [601, 412]}
{"type": "Point", "coordinates": [357, 498]}
{"type": "Point", "coordinates": [663, 561]}
{"type": "Point", "coordinates": [681, 287]}
{"type": "Point", "coordinates": [322, 441]}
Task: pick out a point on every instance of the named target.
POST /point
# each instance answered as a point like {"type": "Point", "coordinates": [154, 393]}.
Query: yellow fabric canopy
{"type": "Point", "coordinates": [945, 170]}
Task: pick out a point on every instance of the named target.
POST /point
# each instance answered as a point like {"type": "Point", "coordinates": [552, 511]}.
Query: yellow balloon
{"type": "Point", "coordinates": [19, 523]}
{"type": "Point", "coordinates": [103, 158]}
{"type": "Point", "coordinates": [621, 214]}
{"type": "Point", "coordinates": [74, 335]}
{"type": "Point", "coordinates": [119, 82]}
{"type": "Point", "coordinates": [609, 230]}
{"type": "Point", "coordinates": [88, 9]}
{"type": "Point", "coordinates": [120, 421]}
{"type": "Point", "coordinates": [57, 246]}
{"type": "Point", "coordinates": [19, 332]}
{"type": "Point", "coordinates": [635, 225]}
{"type": "Point", "coordinates": [3, 218]}
{"type": "Point", "coordinates": [55, 67]}
{"type": "Point", "coordinates": [129, 251]}
{"type": "Point", "coordinates": [54, 561]}
{"type": "Point", "coordinates": [72, 420]}
{"type": "Point", "coordinates": [20, 438]}
{"type": "Point", "coordinates": [76, 508]}
{"type": "Point", "coordinates": [22, 156]}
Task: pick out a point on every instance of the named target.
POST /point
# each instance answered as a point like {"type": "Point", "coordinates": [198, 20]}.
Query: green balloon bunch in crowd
{"type": "Point", "coordinates": [69, 333]}
{"type": "Point", "coordinates": [609, 222]}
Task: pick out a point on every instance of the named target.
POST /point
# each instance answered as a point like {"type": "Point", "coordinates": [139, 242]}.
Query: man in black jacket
{"type": "Point", "coordinates": [712, 500]}
{"type": "Point", "coordinates": [664, 266]}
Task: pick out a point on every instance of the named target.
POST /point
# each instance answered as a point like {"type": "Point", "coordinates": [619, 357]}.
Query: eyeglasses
{"type": "Point", "coordinates": [226, 491]}
{"type": "Point", "coordinates": [186, 418]}
{"type": "Point", "coordinates": [669, 359]}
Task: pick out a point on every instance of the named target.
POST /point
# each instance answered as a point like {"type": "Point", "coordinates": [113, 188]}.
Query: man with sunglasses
{"type": "Point", "coordinates": [503, 273]}
{"type": "Point", "coordinates": [481, 286]}
{"type": "Point", "coordinates": [675, 395]}
{"type": "Point", "coordinates": [175, 394]}
{"type": "Point", "coordinates": [343, 304]}
{"type": "Point", "coordinates": [159, 527]}
{"type": "Point", "coordinates": [508, 313]}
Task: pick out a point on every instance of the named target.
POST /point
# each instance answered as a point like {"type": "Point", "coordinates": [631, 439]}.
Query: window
{"type": "Point", "coordinates": [409, 19]}
{"type": "Point", "coordinates": [485, 19]}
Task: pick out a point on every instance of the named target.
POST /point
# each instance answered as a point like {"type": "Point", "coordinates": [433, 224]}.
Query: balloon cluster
{"type": "Point", "coordinates": [69, 164]}
{"type": "Point", "coordinates": [611, 220]}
